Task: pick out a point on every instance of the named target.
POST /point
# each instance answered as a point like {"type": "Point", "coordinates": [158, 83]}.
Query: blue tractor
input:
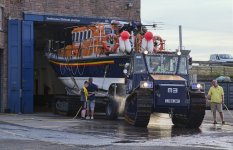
{"type": "Point", "coordinates": [160, 83]}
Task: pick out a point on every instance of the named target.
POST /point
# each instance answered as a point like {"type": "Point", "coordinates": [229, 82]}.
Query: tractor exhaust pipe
{"type": "Point", "coordinates": [180, 37]}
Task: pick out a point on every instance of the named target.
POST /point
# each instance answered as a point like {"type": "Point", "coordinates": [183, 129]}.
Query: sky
{"type": "Point", "coordinates": [207, 25]}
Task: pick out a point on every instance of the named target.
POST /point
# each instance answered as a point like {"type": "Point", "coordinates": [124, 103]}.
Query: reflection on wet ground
{"type": "Point", "coordinates": [160, 126]}
{"type": "Point", "coordinates": [160, 131]}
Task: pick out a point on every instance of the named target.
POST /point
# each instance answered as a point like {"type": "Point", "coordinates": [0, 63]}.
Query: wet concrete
{"type": "Point", "coordinates": [68, 133]}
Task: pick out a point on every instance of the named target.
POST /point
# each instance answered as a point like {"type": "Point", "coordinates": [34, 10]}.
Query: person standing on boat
{"type": "Point", "coordinates": [92, 88]}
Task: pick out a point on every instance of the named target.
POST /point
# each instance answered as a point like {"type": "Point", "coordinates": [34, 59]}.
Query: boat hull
{"type": "Point", "coordinates": [104, 70]}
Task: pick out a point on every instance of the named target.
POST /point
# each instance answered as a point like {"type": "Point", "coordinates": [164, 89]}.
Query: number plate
{"type": "Point", "coordinates": [172, 101]}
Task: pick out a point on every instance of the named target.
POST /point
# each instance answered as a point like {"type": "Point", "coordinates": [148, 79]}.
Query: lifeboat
{"type": "Point", "coordinates": [95, 52]}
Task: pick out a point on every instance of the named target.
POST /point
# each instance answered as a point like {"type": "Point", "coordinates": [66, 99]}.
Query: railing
{"type": "Point", "coordinates": [209, 69]}
{"type": "Point", "coordinates": [212, 63]}
{"type": "Point", "coordinates": [55, 47]}
{"type": "Point", "coordinates": [212, 70]}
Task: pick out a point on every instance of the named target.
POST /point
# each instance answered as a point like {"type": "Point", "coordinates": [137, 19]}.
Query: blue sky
{"type": "Point", "coordinates": [207, 25]}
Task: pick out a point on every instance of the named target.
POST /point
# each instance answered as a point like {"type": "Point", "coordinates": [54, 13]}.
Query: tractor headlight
{"type": "Point", "coordinates": [178, 53]}
{"type": "Point", "coordinates": [197, 86]}
{"type": "Point", "coordinates": [146, 84]}
{"type": "Point", "coordinates": [146, 52]}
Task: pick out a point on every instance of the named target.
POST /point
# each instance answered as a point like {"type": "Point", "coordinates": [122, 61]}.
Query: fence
{"type": "Point", "coordinates": [211, 70]}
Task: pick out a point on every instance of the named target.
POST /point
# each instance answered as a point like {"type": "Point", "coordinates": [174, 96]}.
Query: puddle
{"type": "Point", "coordinates": [126, 141]}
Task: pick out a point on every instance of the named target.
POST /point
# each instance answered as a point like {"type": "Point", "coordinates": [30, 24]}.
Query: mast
{"type": "Point", "coordinates": [180, 37]}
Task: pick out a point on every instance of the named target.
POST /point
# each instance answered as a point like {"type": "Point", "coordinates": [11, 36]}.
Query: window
{"type": "Point", "coordinates": [170, 64]}
{"type": "Point", "coordinates": [73, 37]}
{"type": "Point", "coordinates": [162, 64]}
{"type": "Point", "coordinates": [89, 34]}
{"type": "Point", "coordinates": [153, 63]}
{"type": "Point", "coordinates": [225, 56]}
{"type": "Point", "coordinates": [183, 66]}
{"type": "Point", "coordinates": [77, 37]}
{"type": "Point", "coordinates": [107, 30]}
{"type": "Point", "coordinates": [139, 64]}
{"type": "Point", "coordinates": [81, 37]}
{"type": "Point", "coordinates": [1, 18]}
{"type": "Point", "coordinates": [84, 35]}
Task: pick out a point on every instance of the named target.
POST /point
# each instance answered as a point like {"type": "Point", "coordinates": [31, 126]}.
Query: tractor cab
{"type": "Point", "coordinates": [167, 64]}
{"type": "Point", "coordinates": [157, 68]}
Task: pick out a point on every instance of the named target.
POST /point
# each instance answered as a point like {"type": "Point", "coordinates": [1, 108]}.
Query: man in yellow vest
{"type": "Point", "coordinates": [83, 99]}
{"type": "Point", "coordinates": [216, 96]}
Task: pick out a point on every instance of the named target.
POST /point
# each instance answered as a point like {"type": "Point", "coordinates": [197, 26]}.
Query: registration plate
{"type": "Point", "coordinates": [172, 101]}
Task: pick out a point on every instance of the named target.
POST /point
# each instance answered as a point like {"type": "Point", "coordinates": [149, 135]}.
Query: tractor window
{"type": "Point", "coordinates": [183, 66]}
{"type": "Point", "coordinates": [164, 64]}
{"type": "Point", "coordinates": [154, 64]}
{"type": "Point", "coordinates": [169, 64]}
{"type": "Point", "coordinates": [139, 64]}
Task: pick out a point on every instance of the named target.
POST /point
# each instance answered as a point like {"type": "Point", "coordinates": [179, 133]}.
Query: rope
{"type": "Point", "coordinates": [77, 112]}
{"type": "Point", "coordinates": [228, 111]}
{"type": "Point", "coordinates": [62, 72]}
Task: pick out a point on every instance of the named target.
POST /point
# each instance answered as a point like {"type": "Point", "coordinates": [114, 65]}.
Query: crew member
{"type": "Point", "coordinates": [92, 88]}
{"type": "Point", "coordinates": [216, 96]}
{"type": "Point", "coordinates": [83, 99]}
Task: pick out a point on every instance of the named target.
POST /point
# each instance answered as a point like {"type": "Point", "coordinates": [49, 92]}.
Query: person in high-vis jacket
{"type": "Point", "coordinates": [83, 99]}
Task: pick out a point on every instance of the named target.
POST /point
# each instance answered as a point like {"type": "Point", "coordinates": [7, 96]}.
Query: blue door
{"type": "Point", "coordinates": [0, 77]}
{"type": "Point", "coordinates": [27, 66]}
{"type": "Point", "coordinates": [14, 66]}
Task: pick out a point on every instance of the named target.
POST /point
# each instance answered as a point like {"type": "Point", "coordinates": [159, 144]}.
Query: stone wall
{"type": "Point", "coordinates": [95, 8]}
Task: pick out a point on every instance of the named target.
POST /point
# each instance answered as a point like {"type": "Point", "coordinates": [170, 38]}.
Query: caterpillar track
{"type": "Point", "coordinates": [195, 116]}
{"type": "Point", "coordinates": [138, 107]}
